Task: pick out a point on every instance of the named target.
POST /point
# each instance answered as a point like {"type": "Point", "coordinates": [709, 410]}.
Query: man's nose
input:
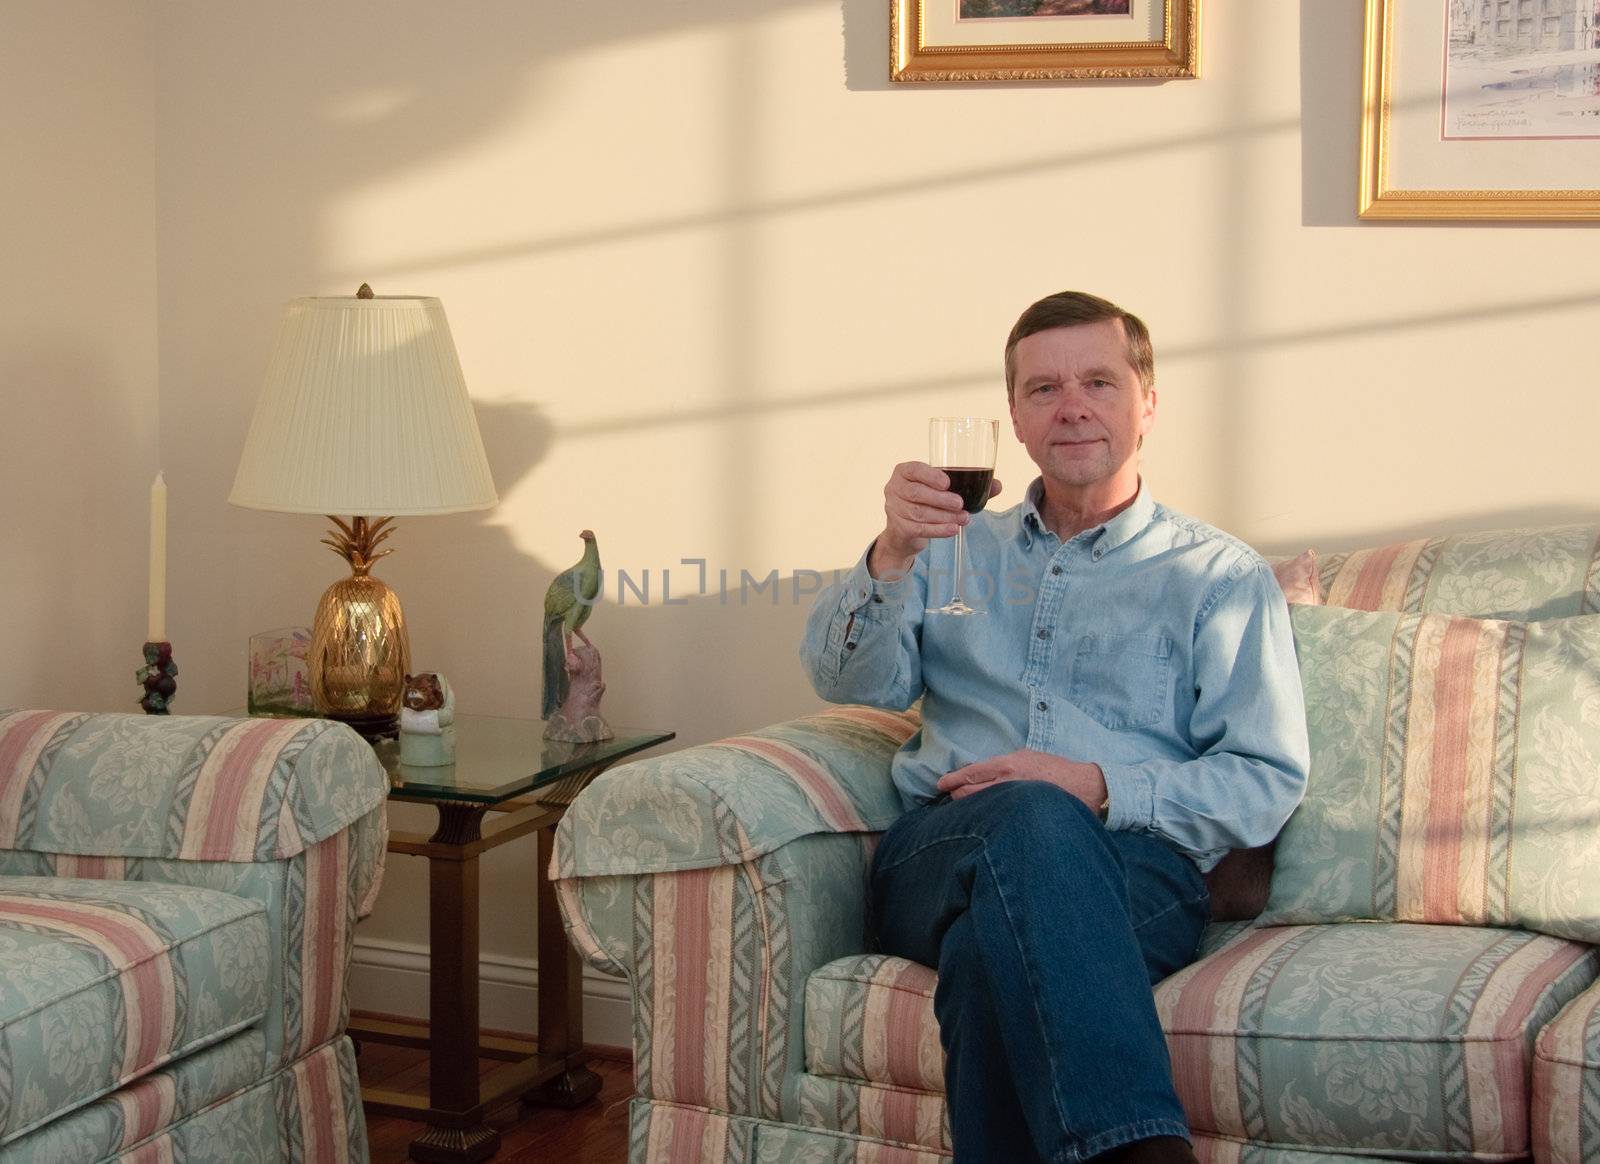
{"type": "Point", "coordinates": [1073, 405]}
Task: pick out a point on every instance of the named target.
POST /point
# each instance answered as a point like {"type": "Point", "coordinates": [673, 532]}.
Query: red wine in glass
{"type": "Point", "coordinates": [972, 486]}
{"type": "Point", "coordinates": [963, 447]}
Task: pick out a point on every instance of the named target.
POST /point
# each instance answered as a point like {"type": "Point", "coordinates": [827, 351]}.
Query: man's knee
{"type": "Point", "coordinates": [1034, 819]}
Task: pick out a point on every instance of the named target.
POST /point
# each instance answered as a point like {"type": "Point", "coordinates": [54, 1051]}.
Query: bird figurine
{"type": "Point", "coordinates": [572, 684]}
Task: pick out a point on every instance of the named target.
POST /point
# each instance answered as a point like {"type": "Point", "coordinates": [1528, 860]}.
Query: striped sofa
{"type": "Point", "coordinates": [726, 883]}
{"type": "Point", "coordinates": [177, 902]}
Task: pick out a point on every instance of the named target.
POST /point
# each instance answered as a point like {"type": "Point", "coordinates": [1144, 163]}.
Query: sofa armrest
{"type": "Point", "coordinates": [290, 813]}
{"type": "Point", "coordinates": [733, 801]}
{"type": "Point", "coordinates": [717, 959]}
{"type": "Point", "coordinates": [194, 788]}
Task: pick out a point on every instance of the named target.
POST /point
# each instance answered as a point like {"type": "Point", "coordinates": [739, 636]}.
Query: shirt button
{"type": "Point", "coordinates": [1055, 569]}
{"type": "Point", "coordinates": [1096, 554]}
{"type": "Point", "coordinates": [1043, 706]}
{"type": "Point", "coordinates": [849, 646]}
{"type": "Point", "coordinates": [1043, 633]}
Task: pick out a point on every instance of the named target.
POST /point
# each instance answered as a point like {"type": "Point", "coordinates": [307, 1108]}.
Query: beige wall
{"type": "Point", "coordinates": [77, 348]}
{"type": "Point", "coordinates": [708, 274]}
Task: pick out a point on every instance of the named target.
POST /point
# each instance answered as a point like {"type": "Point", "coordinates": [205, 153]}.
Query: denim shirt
{"type": "Point", "coordinates": [1153, 645]}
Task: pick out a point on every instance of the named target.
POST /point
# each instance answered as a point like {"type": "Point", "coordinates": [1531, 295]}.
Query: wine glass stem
{"type": "Point", "coordinates": [961, 553]}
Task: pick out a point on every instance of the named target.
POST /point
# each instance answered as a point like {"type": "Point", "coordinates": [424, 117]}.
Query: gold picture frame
{"type": "Point", "coordinates": [923, 46]}
{"type": "Point", "coordinates": [1485, 182]}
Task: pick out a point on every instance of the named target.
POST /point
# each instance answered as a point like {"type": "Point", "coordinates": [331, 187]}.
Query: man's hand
{"type": "Point", "coordinates": [918, 505]}
{"type": "Point", "coordinates": [1083, 780]}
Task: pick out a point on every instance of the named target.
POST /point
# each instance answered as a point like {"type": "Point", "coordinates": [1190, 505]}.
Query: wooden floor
{"type": "Point", "coordinates": [596, 1133]}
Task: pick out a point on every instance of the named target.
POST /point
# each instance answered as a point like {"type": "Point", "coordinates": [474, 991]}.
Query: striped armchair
{"type": "Point", "coordinates": [727, 884]}
{"type": "Point", "coordinates": [178, 897]}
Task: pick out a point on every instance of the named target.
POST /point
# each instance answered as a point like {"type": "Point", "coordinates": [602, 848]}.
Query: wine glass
{"type": "Point", "coordinates": [963, 446]}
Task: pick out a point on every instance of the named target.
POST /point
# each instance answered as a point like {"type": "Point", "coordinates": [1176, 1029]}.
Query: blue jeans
{"type": "Point", "coordinates": [1048, 933]}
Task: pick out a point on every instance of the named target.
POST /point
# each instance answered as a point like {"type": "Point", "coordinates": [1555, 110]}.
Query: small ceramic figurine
{"type": "Point", "coordinates": [159, 676]}
{"type": "Point", "coordinates": [572, 685]}
{"type": "Point", "coordinates": [578, 718]}
{"type": "Point", "coordinates": [427, 722]}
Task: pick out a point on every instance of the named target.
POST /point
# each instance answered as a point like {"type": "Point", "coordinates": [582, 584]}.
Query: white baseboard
{"type": "Point", "coordinates": [392, 978]}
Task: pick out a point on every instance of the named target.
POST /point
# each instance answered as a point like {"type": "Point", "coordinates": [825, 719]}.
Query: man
{"type": "Point", "coordinates": [1127, 710]}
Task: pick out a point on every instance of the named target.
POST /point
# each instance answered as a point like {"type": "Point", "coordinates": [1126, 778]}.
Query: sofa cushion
{"type": "Point", "coordinates": [1455, 772]}
{"type": "Point", "coordinates": [1370, 1038]}
{"type": "Point", "coordinates": [1517, 573]}
{"type": "Point", "coordinates": [1566, 1084]}
{"type": "Point", "coordinates": [1298, 577]}
{"type": "Point", "coordinates": [100, 982]}
{"type": "Point", "coordinates": [870, 1017]}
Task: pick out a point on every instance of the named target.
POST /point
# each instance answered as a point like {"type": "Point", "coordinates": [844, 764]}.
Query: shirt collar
{"type": "Point", "coordinates": [1109, 535]}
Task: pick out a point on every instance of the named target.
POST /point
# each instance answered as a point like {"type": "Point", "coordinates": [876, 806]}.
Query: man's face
{"type": "Point", "coordinates": [1077, 404]}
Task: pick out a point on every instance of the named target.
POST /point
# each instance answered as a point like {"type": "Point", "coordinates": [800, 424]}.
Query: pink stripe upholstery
{"type": "Point", "coordinates": [1367, 592]}
{"type": "Point", "coordinates": [136, 950]}
{"type": "Point", "coordinates": [1452, 702]}
{"type": "Point", "coordinates": [691, 942]}
{"type": "Point", "coordinates": [818, 784]}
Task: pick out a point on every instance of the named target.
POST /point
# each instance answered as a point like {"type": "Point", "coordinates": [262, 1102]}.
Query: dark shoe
{"type": "Point", "coordinates": [1156, 1150]}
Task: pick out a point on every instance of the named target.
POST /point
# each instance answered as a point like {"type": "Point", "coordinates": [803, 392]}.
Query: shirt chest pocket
{"type": "Point", "coordinates": [1122, 680]}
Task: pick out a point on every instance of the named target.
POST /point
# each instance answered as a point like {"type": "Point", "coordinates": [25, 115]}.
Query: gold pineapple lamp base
{"type": "Point", "coordinates": [360, 652]}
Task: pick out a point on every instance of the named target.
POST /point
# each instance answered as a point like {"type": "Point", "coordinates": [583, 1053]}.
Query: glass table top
{"type": "Point", "coordinates": [497, 759]}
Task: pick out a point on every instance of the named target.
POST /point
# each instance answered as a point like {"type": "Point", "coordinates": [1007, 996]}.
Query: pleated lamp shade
{"type": "Point", "coordinates": [364, 411]}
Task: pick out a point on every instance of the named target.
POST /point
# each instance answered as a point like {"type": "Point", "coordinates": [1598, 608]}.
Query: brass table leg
{"type": "Point", "coordinates": [453, 995]}
{"type": "Point", "coordinates": [560, 997]}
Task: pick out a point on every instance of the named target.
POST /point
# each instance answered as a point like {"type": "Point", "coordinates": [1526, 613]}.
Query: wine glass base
{"type": "Point", "coordinates": [954, 606]}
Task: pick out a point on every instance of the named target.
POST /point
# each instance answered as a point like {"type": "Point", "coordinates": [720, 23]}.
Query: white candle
{"type": "Point", "coordinates": [158, 560]}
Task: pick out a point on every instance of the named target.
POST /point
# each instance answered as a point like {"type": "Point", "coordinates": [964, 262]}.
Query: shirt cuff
{"type": "Point", "coordinates": [866, 590]}
{"type": "Point", "coordinates": [1133, 798]}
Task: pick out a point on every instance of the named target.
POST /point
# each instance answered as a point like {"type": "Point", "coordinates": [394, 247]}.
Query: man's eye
{"type": "Point", "coordinates": [1044, 389]}
{"type": "Point", "coordinates": [1101, 384]}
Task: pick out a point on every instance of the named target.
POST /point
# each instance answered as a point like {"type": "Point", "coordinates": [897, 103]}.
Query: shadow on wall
{"type": "Point", "coordinates": [85, 577]}
{"type": "Point", "coordinates": [1330, 112]}
{"type": "Point", "coordinates": [667, 647]}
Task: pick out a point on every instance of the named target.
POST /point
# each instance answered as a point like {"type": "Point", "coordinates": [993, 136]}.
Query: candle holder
{"type": "Point", "coordinates": [160, 678]}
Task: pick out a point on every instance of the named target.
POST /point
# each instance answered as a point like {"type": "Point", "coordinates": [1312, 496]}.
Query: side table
{"type": "Point", "coordinates": [506, 767]}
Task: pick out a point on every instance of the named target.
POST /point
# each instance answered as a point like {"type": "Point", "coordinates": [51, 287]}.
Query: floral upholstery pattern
{"type": "Point", "coordinates": [1323, 1044]}
{"type": "Point", "coordinates": [1519, 573]}
{"type": "Point", "coordinates": [308, 1113]}
{"type": "Point", "coordinates": [1380, 1038]}
{"type": "Point", "coordinates": [283, 822]}
{"type": "Point", "coordinates": [718, 961]}
{"type": "Point", "coordinates": [1566, 1084]}
{"type": "Point", "coordinates": [876, 1111]}
{"type": "Point", "coordinates": [116, 1123]}
{"type": "Point", "coordinates": [310, 915]}
{"type": "Point", "coordinates": [665, 1133]}
{"type": "Point", "coordinates": [197, 788]}
{"type": "Point", "coordinates": [1455, 765]}
{"type": "Point", "coordinates": [737, 799]}
{"type": "Point", "coordinates": [100, 982]}
{"type": "Point", "coordinates": [867, 1017]}
{"type": "Point", "coordinates": [1216, 1150]}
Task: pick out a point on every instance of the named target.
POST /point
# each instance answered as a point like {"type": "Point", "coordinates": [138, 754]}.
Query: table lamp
{"type": "Point", "coordinates": [364, 412]}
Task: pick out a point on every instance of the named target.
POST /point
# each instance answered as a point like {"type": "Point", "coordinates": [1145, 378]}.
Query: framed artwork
{"type": "Point", "coordinates": [1043, 40]}
{"type": "Point", "coordinates": [1486, 109]}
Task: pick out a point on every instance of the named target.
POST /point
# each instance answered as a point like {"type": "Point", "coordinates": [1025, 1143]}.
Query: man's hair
{"type": "Point", "coordinates": [1070, 309]}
